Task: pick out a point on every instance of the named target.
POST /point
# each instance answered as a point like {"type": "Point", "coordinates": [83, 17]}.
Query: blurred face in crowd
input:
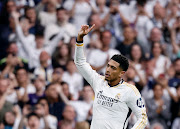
{"type": "Point", "coordinates": [100, 2]}
{"type": "Point", "coordinates": [106, 38]}
{"type": "Point", "coordinates": [156, 49]}
{"type": "Point", "coordinates": [130, 73]}
{"type": "Point", "coordinates": [95, 19]}
{"type": "Point", "coordinates": [39, 83]}
{"type": "Point", "coordinates": [44, 103]}
{"type": "Point", "coordinates": [159, 11]}
{"type": "Point", "coordinates": [57, 75]}
{"type": "Point", "coordinates": [10, 118]}
{"type": "Point", "coordinates": [174, 9]}
{"type": "Point", "coordinates": [65, 89]}
{"type": "Point", "coordinates": [69, 113]}
{"type": "Point", "coordinates": [158, 91]}
{"type": "Point", "coordinates": [87, 93]}
{"type": "Point", "coordinates": [39, 42]}
{"type": "Point", "coordinates": [128, 33]}
{"type": "Point", "coordinates": [12, 49]}
{"type": "Point", "coordinates": [64, 50]}
{"type": "Point", "coordinates": [31, 15]}
{"type": "Point", "coordinates": [155, 35]}
{"type": "Point", "coordinates": [10, 6]}
{"type": "Point", "coordinates": [51, 92]}
{"type": "Point", "coordinates": [34, 122]}
{"type": "Point", "coordinates": [3, 85]}
{"type": "Point", "coordinates": [136, 52]}
{"type": "Point", "coordinates": [62, 16]}
{"type": "Point", "coordinates": [51, 5]}
{"type": "Point", "coordinates": [39, 110]}
{"type": "Point", "coordinates": [177, 67]}
{"type": "Point", "coordinates": [44, 57]}
{"type": "Point", "coordinates": [22, 76]}
{"type": "Point", "coordinates": [25, 25]}
{"type": "Point", "coordinates": [71, 67]}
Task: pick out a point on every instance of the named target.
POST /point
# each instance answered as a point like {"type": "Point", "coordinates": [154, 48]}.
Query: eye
{"type": "Point", "coordinates": [113, 67]}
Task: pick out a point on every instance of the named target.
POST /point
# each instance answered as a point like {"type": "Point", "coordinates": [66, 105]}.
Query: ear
{"type": "Point", "coordinates": [121, 73]}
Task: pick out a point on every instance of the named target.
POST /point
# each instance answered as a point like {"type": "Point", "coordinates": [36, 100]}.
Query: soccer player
{"type": "Point", "coordinates": [114, 98]}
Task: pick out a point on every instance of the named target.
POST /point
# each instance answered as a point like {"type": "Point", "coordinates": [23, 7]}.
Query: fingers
{"type": "Point", "coordinates": [92, 27]}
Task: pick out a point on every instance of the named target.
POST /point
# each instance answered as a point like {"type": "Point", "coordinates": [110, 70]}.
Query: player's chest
{"type": "Point", "coordinates": [111, 98]}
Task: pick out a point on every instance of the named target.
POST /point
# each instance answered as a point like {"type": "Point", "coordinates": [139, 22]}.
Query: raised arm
{"type": "Point", "coordinates": [53, 44]}
{"type": "Point", "coordinates": [20, 34]}
{"type": "Point", "coordinates": [80, 61]}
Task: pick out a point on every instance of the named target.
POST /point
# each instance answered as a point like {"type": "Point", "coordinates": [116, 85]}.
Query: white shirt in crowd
{"type": "Point", "coordinates": [52, 29]}
{"type": "Point", "coordinates": [47, 18]}
{"type": "Point", "coordinates": [51, 120]}
{"type": "Point", "coordinates": [34, 53]}
{"type": "Point", "coordinates": [75, 82]}
{"type": "Point", "coordinates": [98, 57]}
{"type": "Point", "coordinates": [82, 109]}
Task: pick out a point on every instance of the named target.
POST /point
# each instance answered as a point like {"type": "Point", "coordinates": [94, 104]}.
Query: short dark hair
{"type": "Point", "coordinates": [32, 114]}
{"type": "Point", "coordinates": [60, 9]}
{"type": "Point", "coordinates": [176, 60]}
{"type": "Point", "coordinates": [122, 60]}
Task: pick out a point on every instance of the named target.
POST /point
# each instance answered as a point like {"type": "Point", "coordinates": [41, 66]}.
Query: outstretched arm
{"type": "Point", "coordinates": [84, 68]}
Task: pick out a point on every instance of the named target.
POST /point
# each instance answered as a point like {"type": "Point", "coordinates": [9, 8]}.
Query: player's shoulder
{"type": "Point", "coordinates": [131, 88]}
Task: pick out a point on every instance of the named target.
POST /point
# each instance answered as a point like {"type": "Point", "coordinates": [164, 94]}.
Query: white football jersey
{"type": "Point", "coordinates": [112, 105]}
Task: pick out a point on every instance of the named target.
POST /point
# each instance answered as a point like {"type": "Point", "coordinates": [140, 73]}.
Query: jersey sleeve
{"type": "Point", "coordinates": [91, 76]}
{"type": "Point", "coordinates": [135, 103]}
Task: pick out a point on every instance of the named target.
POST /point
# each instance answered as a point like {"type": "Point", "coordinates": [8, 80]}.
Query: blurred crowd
{"type": "Point", "coordinates": [40, 87]}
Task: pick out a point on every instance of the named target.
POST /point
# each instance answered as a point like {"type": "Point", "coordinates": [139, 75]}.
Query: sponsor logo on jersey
{"type": "Point", "coordinates": [140, 103]}
{"type": "Point", "coordinates": [105, 100]}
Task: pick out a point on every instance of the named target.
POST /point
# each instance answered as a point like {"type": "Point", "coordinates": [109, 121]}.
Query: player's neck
{"type": "Point", "coordinates": [114, 83]}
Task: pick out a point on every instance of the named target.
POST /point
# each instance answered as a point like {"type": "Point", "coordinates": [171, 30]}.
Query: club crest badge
{"type": "Point", "coordinates": [118, 96]}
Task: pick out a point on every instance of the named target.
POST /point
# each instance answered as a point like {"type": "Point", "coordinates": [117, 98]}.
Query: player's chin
{"type": "Point", "coordinates": [107, 78]}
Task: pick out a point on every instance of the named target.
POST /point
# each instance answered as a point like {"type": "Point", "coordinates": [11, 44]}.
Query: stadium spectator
{"type": "Point", "coordinates": [160, 62]}
{"type": "Point", "coordinates": [62, 23]}
{"type": "Point", "coordinates": [65, 88]}
{"type": "Point", "coordinates": [158, 107]}
{"type": "Point", "coordinates": [74, 79]}
{"type": "Point", "coordinates": [57, 75]}
{"type": "Point", "coordinates": [56, 99]}
{"type": "Point", "coordinates": [30, 14]}
{"type": "Point", "coordinates": [129, 39]}
{"type": "Point", "coordinates": [12, 61]}
{"type": "Point", "coordinates": [104, 53]}
{"type": "Point", "coordinates": [77, 7]}
{"type": "Point", "coordinates": [174, 81]}
{"type": "Point", "coordinates": [68, 121]}
{"type": "Point", "coordinates": [51, 120]}
{"type": "Point", "coordinates": [61, 56]}
{"type": "Point", "coordinates": [5, 106]}
{"type": "Point", "coordinates": [33, 53]}
{"type": "Point", "coordinates": [82, 107]}
{"type": "Point", "coordinates": [159, 15]}
{"type": "Point", "coordinates": [45, 69]}
{"type": "Point", "coordinates": [24, 85]}
{"type": "Point", "coordinates": [32, 98]}
{"type": "Point", "coordinates": [49, 16]}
